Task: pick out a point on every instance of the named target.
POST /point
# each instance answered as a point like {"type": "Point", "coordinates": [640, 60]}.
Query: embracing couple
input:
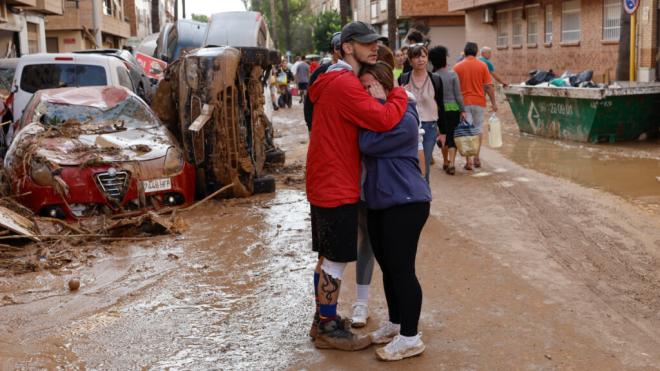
{"type": "Point", "coordinates": [360, 117]}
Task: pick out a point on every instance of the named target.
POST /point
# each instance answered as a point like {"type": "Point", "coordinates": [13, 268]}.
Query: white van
{"type": "Point", "coordinates": [46, 71]}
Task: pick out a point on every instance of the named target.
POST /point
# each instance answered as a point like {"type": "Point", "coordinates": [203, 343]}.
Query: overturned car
{"type": "Point", "coordinates": [86, 151]}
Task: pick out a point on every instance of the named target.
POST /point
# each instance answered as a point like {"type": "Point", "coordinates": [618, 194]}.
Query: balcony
{"type": "Point", "coordinates": [114, 26]}
{"type": "Point", "coordinates": [50, 7]}
{"type": "Point", "coordinates": [75, 18]}
{"type": "Point", "coordinates": [22, 3]}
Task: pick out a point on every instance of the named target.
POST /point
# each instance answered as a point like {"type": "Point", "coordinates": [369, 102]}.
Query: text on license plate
{"type": "Point", "coordinates": [156, 185]}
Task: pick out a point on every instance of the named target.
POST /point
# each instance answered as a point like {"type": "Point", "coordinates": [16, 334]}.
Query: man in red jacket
{"type": "Point", "coordinates": [341, 107]}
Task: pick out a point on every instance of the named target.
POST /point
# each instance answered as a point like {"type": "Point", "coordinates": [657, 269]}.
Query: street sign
{"type": "Point", "coordinates": [630, 6]}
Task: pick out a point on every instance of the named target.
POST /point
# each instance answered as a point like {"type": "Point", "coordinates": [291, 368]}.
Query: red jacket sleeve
{"type": "Point", "coordinates": [363, 110]}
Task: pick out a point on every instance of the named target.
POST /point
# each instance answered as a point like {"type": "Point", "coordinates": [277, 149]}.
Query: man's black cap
{"type": "Point", "coordinates": [360, 32]}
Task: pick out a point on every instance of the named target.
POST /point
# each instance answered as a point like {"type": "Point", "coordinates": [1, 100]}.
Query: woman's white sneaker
{"type": "Point", "coordinates": [360, 315]}
{"type": "Point", "coordinates": [401, 347]}
{"type": "Point", "coordinates": [385, 333]}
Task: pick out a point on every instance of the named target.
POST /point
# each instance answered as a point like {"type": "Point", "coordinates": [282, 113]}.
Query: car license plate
{"type": "Point", "coordinates": [156, 185]}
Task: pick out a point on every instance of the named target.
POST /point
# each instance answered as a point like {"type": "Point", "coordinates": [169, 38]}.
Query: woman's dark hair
{"type": "Point", "coordinates": [438, 57]}
{"type": "Point", "coordinates": [385, 54]}
{"type": "Point", "coordinates": [471, 49]}
{"type": "Point", "coordinates": [416, 50]}
{"type": "Point", "coordinates": [382, 72]}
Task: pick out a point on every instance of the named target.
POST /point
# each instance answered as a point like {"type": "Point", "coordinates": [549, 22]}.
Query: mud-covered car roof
{"type": "Point", "coordinates": [101, 97]}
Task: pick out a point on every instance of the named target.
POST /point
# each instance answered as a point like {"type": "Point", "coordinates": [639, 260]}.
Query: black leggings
{"type": "Point", "coordinates": [394, 234]}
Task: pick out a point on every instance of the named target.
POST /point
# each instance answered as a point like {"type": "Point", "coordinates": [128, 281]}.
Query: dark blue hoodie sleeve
{"type": "Point", "coordinates": [390, 143]}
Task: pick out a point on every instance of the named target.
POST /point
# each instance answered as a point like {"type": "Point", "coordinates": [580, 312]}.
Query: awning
{"type": "Point", "coordinates": [455, 5]}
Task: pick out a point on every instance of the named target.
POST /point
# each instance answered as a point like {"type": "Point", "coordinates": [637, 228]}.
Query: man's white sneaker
{"type": "Point", "coordinates": [360, 315]}
{"type": "Point", "coordinates": [401, 348]}
{"type": "Point", "coordinates": [385, 333]}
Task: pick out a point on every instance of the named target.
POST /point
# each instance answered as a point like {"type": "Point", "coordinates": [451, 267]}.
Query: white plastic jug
{"type": "Point", "coordinates": [494, 132]}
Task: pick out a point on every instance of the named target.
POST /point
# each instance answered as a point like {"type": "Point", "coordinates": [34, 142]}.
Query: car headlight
{"type": "Point", "coordinates": [173, 161]}
{"type": "Point", "coordinates": [41, 174]}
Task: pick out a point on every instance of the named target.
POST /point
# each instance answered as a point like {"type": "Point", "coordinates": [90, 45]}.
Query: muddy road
{"type": "Point", "coordinates": [547, 258]}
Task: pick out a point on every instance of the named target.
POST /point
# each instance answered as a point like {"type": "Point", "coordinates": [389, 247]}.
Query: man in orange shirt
{"type": "Point", "coordinates": [475, 83]}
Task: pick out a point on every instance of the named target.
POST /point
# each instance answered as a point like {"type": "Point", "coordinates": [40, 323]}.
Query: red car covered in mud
{"type": "Point", "coordinates": [86, 151]}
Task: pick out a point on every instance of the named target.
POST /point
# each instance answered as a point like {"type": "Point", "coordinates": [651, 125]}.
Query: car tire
{"type": "Point", "coordinates": [265, 184]}
{"type": "Point", "coordinates": [275, 157]}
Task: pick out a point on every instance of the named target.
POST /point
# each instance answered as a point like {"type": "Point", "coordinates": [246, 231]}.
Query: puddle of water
{"type": "Point", "coordinates": [628, 170]}
{"type": "Point", "coordinates": [236, 300]}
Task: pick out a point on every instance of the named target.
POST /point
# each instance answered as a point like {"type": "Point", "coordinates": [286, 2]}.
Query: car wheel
{"type": "Point", "coordinates": [265, 184]}
{"type": "Point", "coordinates": [275, 157]}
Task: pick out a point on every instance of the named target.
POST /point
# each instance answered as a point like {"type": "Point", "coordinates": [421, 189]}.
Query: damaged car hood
{"type": "Point", "coordinates": [120, 146]}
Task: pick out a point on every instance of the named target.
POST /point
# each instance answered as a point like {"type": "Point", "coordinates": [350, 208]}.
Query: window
{"type": "Point", "coordinates": [48, 76]}
{"type": "Point", "coordinates": [107, 7]}
{"type": "Point", "coordinates": [33, 37]}
{"type": "Point", "coordinates": [570, 21]}
{"type": "Point", "coordinates": [517, 28]}
{"type": "Point", "coordinates": [124, 79]}
{"type": "Point", "coordinates": [611, 20]}
{"type": "Point", "coordinates": [548, 24]}
{"type": "Point", "coordinates": [374, 9]}
{"type": "Point", "coordinates": [383, 5]}
{"type": "Point", "coordinates": [533, 25]}
{"type": "Point", "coordinates": [502, 29]}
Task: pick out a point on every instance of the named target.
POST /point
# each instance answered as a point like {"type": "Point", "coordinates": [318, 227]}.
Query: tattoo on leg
{"type": "Point", "coordinates": [329, 286]}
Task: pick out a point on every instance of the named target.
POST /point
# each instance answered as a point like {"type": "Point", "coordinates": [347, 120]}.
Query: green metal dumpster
{"type": "Point", "coordinates": [617, 113]}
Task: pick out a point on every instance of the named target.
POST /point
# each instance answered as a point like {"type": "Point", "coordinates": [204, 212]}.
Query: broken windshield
{"type": "Point", "coordinates": [131, 113]}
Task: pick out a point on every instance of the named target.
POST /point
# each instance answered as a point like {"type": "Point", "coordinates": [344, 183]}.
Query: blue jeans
{"type": "Point", "coordinates": [430, 137]}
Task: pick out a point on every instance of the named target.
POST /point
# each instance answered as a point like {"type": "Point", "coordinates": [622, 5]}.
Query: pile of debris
{"type": "Point", "coordinates": [29, 242]}
{"type": "Point", "coordinates": [542, 78]}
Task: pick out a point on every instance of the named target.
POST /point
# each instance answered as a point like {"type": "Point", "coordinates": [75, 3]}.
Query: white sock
{"type": "Point", "coordinates": [362, 294]}
{"type": "Point", "coordinates": [410, 339]}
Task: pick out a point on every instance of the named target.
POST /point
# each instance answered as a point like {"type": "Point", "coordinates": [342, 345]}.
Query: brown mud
{"type": "Point", "coordinates": [521, 269]}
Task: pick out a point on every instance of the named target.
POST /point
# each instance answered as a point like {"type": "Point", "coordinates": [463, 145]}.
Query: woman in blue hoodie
{"type": "Point", "coordinates": [398, 200]}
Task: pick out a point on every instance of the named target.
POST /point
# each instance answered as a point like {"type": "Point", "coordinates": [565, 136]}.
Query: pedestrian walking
{"type": "Point", "coordinates": [486, 53]}
{"type": "Point", "coordinates": [454, 108]}
{"type": "Point", "coordinates": [475, 82]}
{"type": "Point", "coordinates": [428, 91]}
{"type": "Point", "coordinates": [399, 58]}
{"type": "Point", "coordinates": [398, 200]}
{"type": "Point", "coordinates": [302, 79]}
{"type": "Point", "coordinates": [283, 77]}
{"type": "Point", "coordinates": [413, 38]}
{"type": "Point", "coordinates": [341, 106]}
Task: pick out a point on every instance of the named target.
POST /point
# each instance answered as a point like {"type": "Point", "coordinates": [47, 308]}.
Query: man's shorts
{"type": "Point", "coordinates": [475, 115]}
{"type": "Point", "coordinates": [335, 231]}
{"type": "Point", "coordinates": [302, 85]}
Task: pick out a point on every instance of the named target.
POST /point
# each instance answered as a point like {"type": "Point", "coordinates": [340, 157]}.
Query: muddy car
{"type": "Point", "coordinates": [213, 101]}
{"type": "Point", "coordinates": [95, 150]}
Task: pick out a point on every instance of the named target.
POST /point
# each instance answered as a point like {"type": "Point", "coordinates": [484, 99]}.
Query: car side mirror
{"type": "Point", "coordinates": [14, 88]}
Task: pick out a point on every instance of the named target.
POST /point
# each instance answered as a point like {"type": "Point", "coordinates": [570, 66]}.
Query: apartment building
{"type": "Point", "coordinates": [440, 25]}
{"type": "Point", "coordinates": [22, 25]}
{"type": "Point", "coordinates": [139, 17]}
{"type": "Point", "coordinates": [73, 29]}
{"type": "Point", "coordinates": [561, 35]}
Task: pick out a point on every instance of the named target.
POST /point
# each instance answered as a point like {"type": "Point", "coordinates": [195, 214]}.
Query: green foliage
{"type": "Point", "coordinates": [326, 24]}
{"type": "Point", "coordinates": [300, 23]}
{"type": "Point", "coordinates": [200, 18]}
